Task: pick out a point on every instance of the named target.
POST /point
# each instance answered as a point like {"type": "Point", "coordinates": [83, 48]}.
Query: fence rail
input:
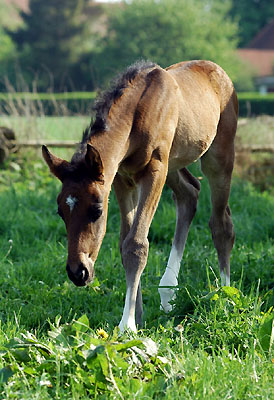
{"type": "Point", "coordinates": [9, 144]}
{"type": "Point", "coordinates": [71, 144]}
{"type": "Point", "coordinates": [255, 149]}
{"type": "Point", "coordinates": [39, 143]}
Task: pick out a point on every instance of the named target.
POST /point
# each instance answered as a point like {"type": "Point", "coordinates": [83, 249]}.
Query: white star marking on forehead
{"type": "Point", "coordinates": [71, 201]}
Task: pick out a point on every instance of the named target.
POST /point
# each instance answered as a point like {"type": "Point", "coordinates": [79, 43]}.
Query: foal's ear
{"type": "Point", "coordinates": [94, 164]}
{"type": "Point", "coordinates": [57, 166]}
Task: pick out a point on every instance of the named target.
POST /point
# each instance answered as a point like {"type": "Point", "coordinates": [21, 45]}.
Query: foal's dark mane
{"type": "Point", "coordinates": [105, 100]}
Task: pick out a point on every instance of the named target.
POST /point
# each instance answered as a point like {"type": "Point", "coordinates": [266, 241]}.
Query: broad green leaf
{"type": "Point", "coordinates": [95, 284]}
{"type": "Point", "coordinates": [5, 374]}
{"type": "Point", "coordinates": [30, 371]}
{"type": "Point", "coordinates": [135, 385]}
{"type": "Point", "coordinates": [121, 363]}
{"type": "Point", "coordinates": [60, 337]}
{"type": "Point", "coordinates": [82, 324]}
{"type": "Point", "coordinates": [128, 345]}
{"type": "Point", "coordinates": [21, 355]}
{"type": "Point", "coordinates": [102, 358]}
{"type": "Point", "coordinates": [47, 366]}
{"type": "Point", "coordinates": [266, 332]}
{"type": "Point", "coordinates": [92, 356]}
{"type": "Point", "coordinates": [15, 343]}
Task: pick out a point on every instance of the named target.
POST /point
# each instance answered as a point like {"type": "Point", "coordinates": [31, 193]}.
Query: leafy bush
{"type": "Point", "coordinates": [95, 361]}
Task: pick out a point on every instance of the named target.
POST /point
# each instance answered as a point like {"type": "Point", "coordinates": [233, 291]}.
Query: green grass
{"type": "Point", "coordinates": [35, 127]}
{"type": "Point", "coordinates": [47, 128]}
{"type": "Point", "coordinates": [258, 130]}
{"type": "Point", "coordinates": [216, 344]}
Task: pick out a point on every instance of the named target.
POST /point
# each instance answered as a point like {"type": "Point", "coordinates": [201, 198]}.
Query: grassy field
{"type": "Point", "coordinates": [59, 341]}
{"type": "Point", "coordinates": [258, 130]}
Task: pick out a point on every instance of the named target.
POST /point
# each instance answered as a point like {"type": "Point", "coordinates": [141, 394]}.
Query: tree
{"type": "Point", "coordinates": [54, 37]}
{"type": "Point", "coordinates": [168, 31]}
{"type": "Point", "coordinates": [8, 53]}
{"type": "Point", "coordinates": [252, 16]}
{"type": "Point", "coordinates": [6, 44]}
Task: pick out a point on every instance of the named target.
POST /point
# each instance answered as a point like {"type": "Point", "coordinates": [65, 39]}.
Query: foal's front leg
{"type": "Point", "coordinates": [135, 246]}
{"type": "Point", "coordinates": [127, 197]}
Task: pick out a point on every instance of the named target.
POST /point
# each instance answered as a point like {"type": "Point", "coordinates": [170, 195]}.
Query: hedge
{"type": "Point", "coordinates": [46, 103]}
{"type": "Point", "coordinates": [250, 104]}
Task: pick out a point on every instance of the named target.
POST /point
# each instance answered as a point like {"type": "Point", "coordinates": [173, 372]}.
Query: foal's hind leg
{"type": "Point", "coordinates": [185, 193]}
{"type": "Point", "coordinates": [217, 165]}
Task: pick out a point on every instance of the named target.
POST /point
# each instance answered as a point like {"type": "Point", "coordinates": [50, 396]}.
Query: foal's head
{"type": "Point", "coordinates": [82, 204]}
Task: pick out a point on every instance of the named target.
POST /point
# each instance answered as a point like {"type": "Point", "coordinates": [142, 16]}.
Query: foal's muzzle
{"type": "Point", "coordinates": [82, 276]}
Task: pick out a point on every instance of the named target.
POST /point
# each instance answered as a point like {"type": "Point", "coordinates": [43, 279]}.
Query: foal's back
{"type": "Point", "coordinates": [205, 93]}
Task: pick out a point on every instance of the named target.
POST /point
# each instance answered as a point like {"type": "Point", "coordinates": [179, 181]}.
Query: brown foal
{"type": "Point", "coordinates": [149, 126]}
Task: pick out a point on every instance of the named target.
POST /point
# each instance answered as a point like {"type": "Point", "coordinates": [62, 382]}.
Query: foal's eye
{"type": "Point", "coordinates": [94, 212]}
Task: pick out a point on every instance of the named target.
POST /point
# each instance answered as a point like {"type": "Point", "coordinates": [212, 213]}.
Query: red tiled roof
{"type": "Point", "coordinates": [264, 38]}
{"type": "Point", "coordinates": [21, 4]}
{"type": "Point", "coordinates": [261, 60]}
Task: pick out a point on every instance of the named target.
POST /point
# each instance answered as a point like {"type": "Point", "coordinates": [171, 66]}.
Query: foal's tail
{"type": "Point", "coordinates": [190, 178]}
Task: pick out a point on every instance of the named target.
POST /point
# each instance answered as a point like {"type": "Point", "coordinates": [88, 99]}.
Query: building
{"type": "Point", "coordinates": [260, 56]}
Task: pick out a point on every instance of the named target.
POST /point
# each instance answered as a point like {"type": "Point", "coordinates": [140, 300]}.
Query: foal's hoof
{"type": "Point", "coordinates": [167, 308]}
{"type": "Point", "coordinates": [167, 295]}
{"type": "Point", "coordinates": [127, 327]}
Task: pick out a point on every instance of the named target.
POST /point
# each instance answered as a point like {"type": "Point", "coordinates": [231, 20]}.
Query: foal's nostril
{"type": "Point", "coordinates": [79, 277]}
{"type": "Point", "coordinates": [82, 273]}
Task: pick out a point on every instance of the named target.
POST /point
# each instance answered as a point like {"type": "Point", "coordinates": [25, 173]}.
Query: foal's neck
{"type": "Point", "coordinates": [114, 143]}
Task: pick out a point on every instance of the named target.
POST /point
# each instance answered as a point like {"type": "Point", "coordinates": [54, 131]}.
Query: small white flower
{"type": "Point", "coordinates": [45, 382]}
